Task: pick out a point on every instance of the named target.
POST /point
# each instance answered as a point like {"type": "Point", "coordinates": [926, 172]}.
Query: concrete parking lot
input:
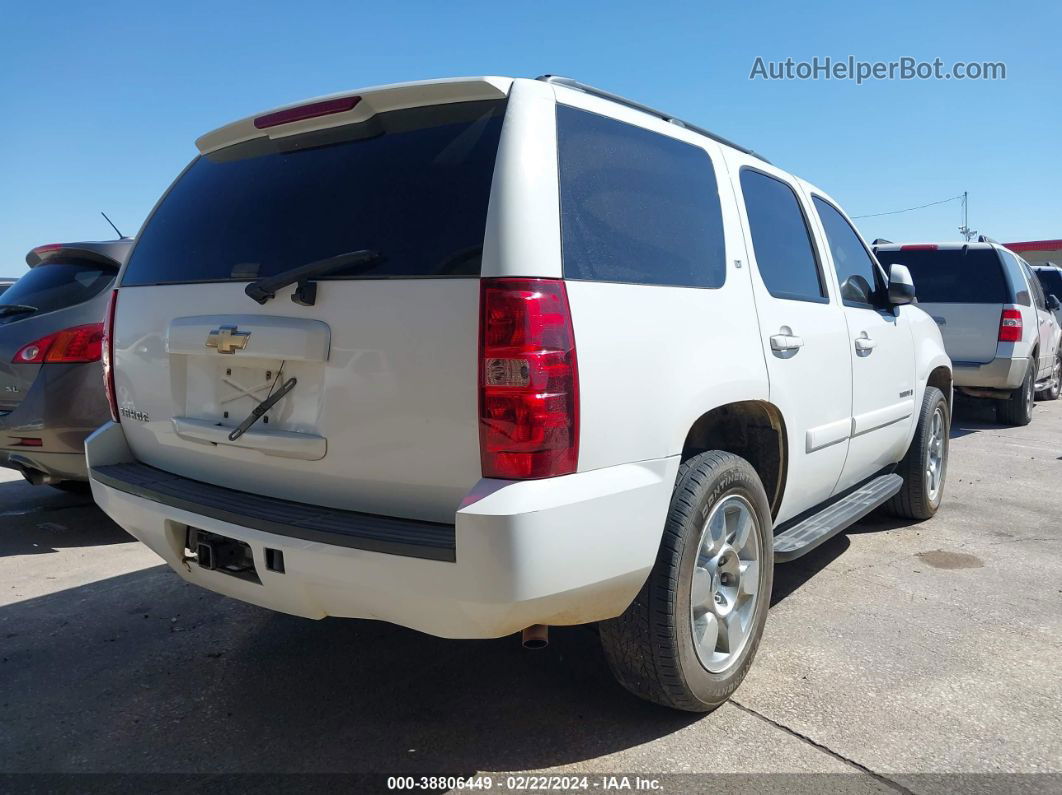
{"type": "Point", "coordinates": [899, 655]}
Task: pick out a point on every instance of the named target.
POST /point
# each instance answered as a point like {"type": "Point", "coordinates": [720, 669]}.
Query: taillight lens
{"type": "Point", "coordinates": [77, 344]}
{"type": "Point", "coordinates": [1010, 326]}
{"type": "Point", "coordinates": [528, 380]}
{"type": "Point", "coordinates": [108, 355]}
{"type": "Point", "coordinates": [309, 111]}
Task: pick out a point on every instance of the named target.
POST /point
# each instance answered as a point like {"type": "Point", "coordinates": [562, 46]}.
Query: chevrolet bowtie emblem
{"type": "Point", "coordinates": [227, 339]}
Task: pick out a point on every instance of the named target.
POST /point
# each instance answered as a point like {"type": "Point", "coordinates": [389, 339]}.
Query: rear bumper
{"type": "Point", "coordinates": [1002, 373]}
{"type": "Point", "coordinates": [63, 406]}
{"type": "Point", "coordinates": [567, 550]}
{"type": "Point", "coordinates": [57, 466]}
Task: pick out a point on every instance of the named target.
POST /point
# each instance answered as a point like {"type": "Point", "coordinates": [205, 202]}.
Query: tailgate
{"type": "Point", "coordinates": [970, 331]}
{"type": "Point", "coordinates": [383, 416]}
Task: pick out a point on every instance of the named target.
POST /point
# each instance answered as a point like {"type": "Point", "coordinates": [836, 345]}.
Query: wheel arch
{"type": "Point", "coordinates": [752, 429]}
{"type": "Point", "coordinates": [941, 378]}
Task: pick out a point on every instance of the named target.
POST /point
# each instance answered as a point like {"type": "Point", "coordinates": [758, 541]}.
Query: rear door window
{"type": "Point", "coordinates": [636, 206]}
{"type": "Point", "coordinates": [55, 285]}
{"type": "Point", "coordinates": [781, 239]}
{"type": "Point", "coordinates": [412, 185]}
{"type": "Point", "coordinates": [952, 276]}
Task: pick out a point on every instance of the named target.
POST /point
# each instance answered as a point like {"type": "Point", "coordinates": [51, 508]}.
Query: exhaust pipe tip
{"type": "Point", "coordinates": [535, 636]}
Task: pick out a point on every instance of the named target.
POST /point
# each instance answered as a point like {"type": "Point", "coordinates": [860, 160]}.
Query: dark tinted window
{"type": "Point", "coordinates": [1034, 284]}
{"type": "Point", "coordinates": [1051, 281]}
{"type": "Point", "coordinates": [953, 276]}
{"type": "Point", "coordinates": [857, 274]}
{"type": "Point", "coordinates": [412, 185]}
{"type": "Point", "coordinates": [781, 240]}
{"type": "Point", "coordinates": [56, 285]}
{"type": "Point", "coordinates": [636, 206]}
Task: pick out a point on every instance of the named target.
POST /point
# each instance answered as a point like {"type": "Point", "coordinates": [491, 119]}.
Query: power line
{"type": "Point", "coordinates": [909, 209]}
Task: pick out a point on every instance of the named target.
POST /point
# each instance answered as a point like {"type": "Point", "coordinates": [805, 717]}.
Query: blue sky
{"type": "Point", "coordinates": [102, 101]}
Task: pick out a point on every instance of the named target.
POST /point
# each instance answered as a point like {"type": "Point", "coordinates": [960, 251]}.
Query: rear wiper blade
{"type": "Point", "coordinates": [265, 288]}
{"type": "Point", "coordinates": [261, 409]}
{"type": "Point", "coordinates": [15, 309]}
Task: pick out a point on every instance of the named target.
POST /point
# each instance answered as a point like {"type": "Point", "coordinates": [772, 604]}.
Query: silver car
{"type": "Point", "coordinates": [51, 378]}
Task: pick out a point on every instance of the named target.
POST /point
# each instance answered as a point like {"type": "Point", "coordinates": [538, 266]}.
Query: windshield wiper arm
{"type": "Point", "coordinates": [14, 309]}
{"type": "Point", "coordinates": [265, 288]}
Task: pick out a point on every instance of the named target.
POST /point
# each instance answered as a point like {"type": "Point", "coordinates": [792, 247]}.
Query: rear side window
{"type": "Point", "coordinates": [636, 206]}
{"type": "Point", "coordinates": [857, 273]}
{"type": "Point", "coordinates": [412, 185]}
{"type": "Point", "coordinates": [1051, 281]}
{"type": "Point", "coordinates": [1034, 285]}
{"type": "Point", "coordinates": [952, 276]}
{"type": "Point", "coordinates": [781, 240]}
{"type": "Point", "coordinates": [56, 285]}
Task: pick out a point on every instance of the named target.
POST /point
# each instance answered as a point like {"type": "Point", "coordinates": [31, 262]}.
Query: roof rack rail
{"type": "Point", "coordinates": [880, 241]}
{"type": "Point", "coordinates": [987, 239]}
{"type": "Point", "coordinates": [630, 103]}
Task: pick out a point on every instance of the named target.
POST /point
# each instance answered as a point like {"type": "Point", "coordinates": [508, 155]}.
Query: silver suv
{"type": "Point", "coordinates": [995, 319]}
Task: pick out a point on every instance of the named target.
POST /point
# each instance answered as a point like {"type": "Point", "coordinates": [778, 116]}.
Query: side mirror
{"type": "Point", "coordinates": [1053, 303]}
{"type": "Point", "coordinates": [901, 285]}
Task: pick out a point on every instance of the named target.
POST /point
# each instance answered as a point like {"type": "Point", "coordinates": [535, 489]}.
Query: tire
{"type": "Point", "coordinates": [1052, 392]}
{"type": "Point", "coordinates": [651, 648]}
{"type": "Point", "coordinates": [1018, 408]}
{"type": "Point", "coordinates": [72, 486]}
{"type": "Point", "coordinates": [924, 468]}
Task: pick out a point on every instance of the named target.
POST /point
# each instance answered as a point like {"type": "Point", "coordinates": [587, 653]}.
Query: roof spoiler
{"type": "Point", "coordinates": [111, 253]}
{"type": "Point", "coordinates": [630, 103]}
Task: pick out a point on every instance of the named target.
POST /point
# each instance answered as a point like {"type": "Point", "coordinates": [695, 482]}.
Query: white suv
{"type": "Point", "coordinates": [481, 355]}
{"type": "Point", "coordinates": [995, 318]}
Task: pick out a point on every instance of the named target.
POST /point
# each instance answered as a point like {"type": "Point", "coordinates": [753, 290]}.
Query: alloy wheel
{"type": "Point", "coordinates": [725, 585]}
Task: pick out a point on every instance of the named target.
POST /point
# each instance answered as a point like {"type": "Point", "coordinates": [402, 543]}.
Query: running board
{"type": "Point", "coordinates": [820, 527]}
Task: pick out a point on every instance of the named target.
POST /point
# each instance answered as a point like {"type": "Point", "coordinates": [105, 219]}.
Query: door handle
{"type": "Point", "coordinates": [865, 344]}
{"type": "Point", "coordinates": [781, 343]}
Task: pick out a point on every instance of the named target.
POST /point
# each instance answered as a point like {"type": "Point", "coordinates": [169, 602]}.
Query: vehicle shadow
{"type": "Point", "coordinates": [173, 678]}
{"type": "Point", "coordinates": [789, 577]}
{"type": "Point", "coordinates": [972, 415]}
{"type": "Point", "coordinates": [40, 519]}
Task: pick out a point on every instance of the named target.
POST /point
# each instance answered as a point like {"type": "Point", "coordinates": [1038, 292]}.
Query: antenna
{"type": "Point", "coordinates": [108, 220]}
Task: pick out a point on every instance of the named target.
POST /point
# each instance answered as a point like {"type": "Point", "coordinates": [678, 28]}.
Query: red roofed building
{"type": "Point", "coordinates": [1037, 252]}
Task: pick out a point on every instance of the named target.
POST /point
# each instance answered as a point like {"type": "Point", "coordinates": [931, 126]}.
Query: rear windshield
{"type": "Point", "coordinates": [412, 185]}
{"type": "Point", "coordinates": [952, 276]}
{"type": "Point", "coordinates": [54, 285]}
{"type": "Point", "coordinates": [1051, 281]}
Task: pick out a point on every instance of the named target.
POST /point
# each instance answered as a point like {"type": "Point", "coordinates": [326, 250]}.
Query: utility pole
{"type": "Point", "coordinates": [965, 230]}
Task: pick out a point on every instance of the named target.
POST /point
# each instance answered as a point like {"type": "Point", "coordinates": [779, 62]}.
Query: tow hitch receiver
{"type": "Point", "coordinates": [218, 553]}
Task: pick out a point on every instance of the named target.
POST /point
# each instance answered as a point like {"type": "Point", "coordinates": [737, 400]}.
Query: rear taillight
{"type": "Point", "coordinates": [108, 355]}
{"type": "Point", "coordinates": [1010, 326]}
{"type": "Point", "coordinates": [528, 380]}
{"type": "Point", "coordinates": [77, 344]}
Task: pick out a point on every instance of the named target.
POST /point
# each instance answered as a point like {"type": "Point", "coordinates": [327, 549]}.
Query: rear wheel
{"type": "Point", "coordinates": [925, 466]}
{"type": "Point", "coordinates": [690, 635]}
{"type": "Point", "coordinates": [1018, 408]}
{"type": "Point", "coordinates": [1054, 386]}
